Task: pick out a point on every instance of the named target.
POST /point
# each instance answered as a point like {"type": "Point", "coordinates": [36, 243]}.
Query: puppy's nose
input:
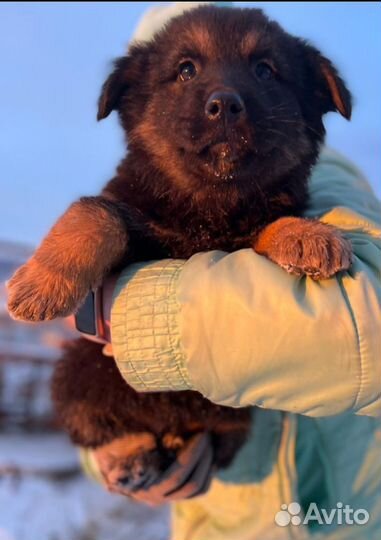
{"type": "Point", "coordinates": [226, 104]}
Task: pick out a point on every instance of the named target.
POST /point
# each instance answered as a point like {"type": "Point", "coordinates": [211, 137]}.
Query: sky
{"type": "Point", "coordinates": [55, 57]}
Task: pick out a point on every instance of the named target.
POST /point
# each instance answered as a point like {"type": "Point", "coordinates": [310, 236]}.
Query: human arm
{"type": "Point", "coordinates": [242, 331]}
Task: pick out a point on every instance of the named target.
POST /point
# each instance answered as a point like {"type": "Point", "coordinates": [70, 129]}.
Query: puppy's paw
{"type": "Point", "coordinates": [319, 256]}
{"type": "Point", "coordinates": [36, 294]}
{"type": "Point", "coordinates": [309, 247]}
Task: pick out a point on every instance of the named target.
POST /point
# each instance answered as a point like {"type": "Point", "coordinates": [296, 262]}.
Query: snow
{"type": "Point", "coordinates": [36, 505]}
{"type": "Point", "coordinates": [37, 509]}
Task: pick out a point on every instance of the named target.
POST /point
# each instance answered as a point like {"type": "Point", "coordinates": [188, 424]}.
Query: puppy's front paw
{"type": "Point", "coordinates": [308, 247]}
{"type": "Point", "coordinates": [36, 294]}
{"type": "Point", "coordinates": [319, 256]}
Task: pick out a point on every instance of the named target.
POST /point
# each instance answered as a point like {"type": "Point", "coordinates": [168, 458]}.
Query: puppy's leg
{"type": "Point", "coordinates": [74, 257]}
{"type": "Point", "coordinates": [305, 246]}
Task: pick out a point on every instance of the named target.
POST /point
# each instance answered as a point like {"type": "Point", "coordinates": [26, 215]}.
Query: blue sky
{"type": "Point", "coordinates": [55, 57]}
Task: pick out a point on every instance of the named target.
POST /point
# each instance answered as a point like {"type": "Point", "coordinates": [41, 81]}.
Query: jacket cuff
{"type": "Point", "coordinates": [144, 327]}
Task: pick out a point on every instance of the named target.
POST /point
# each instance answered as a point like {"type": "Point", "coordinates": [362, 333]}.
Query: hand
{"type": "Point", "coordinates": [189, 476]}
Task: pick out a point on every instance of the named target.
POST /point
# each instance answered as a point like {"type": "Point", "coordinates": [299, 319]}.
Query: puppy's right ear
{"type": "Point", "coordinates": [113, 88]}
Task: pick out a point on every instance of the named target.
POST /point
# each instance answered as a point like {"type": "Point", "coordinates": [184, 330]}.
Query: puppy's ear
{"type": "Point", "coordinates": [330, 88]}
{"type": "Point", "coordinates": [113, 88]}
{"type": "Point", "coordinates": [339, 96]}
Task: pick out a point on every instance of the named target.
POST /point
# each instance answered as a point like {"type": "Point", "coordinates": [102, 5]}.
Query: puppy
{"type": "Point", "coordinates": [223, 115]}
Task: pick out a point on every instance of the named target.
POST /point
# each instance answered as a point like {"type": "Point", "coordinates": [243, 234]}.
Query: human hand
{"type": "Point", "coordinates": [189, 476]}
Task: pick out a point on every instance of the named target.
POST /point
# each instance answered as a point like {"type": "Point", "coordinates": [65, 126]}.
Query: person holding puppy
{"type": "Point", "coordinates": [240, 331]}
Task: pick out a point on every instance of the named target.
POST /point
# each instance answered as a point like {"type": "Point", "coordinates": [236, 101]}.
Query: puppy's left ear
{"type": "Point", "coordinates": [113, 88]}
{"type": "Point", "coordinates": [330, 88]}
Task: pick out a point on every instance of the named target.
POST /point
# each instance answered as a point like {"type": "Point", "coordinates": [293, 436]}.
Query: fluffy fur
{"type": "Point", "coordinates": [223, 115]}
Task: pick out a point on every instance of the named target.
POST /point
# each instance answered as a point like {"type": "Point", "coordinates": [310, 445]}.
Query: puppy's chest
{"type": "Point", "coordinates": [161, 240]}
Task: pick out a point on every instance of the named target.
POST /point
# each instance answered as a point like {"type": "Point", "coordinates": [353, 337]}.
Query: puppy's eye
{"type": "Point", "coordinates": [264, 71]}
{"type": "Point", "coordinates": [187, 70]}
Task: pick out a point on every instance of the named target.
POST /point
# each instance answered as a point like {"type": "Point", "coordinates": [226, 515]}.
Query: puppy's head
{"type": "Point", "coordinates": [224, 98]}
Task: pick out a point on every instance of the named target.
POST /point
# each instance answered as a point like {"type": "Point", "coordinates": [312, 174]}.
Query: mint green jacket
{"type": "Point", "coordinates": [241, 331]}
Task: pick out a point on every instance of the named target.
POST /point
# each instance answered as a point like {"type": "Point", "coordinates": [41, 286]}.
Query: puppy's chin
{"type": "Point", "coordinates": [222, 161]}
{"type": "Point", "coordinates": [221, 171]}
{"type": "Point", "coordinates": [220, 164]}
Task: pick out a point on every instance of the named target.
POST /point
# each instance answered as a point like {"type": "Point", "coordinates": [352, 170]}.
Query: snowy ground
{"type": "Point", "coordinates": [39, 503]}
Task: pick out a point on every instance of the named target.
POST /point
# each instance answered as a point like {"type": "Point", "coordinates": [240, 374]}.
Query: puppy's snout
{"type": "Point", "coordinates": [225, 104]}
{"type": "Point", "coordinates": [134, 480]}
{"type": "Point", "coordinates": [142, 471]}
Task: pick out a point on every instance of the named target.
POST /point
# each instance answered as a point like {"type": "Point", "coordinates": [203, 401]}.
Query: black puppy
{"type": "Point", "coordinates": [223, 115]}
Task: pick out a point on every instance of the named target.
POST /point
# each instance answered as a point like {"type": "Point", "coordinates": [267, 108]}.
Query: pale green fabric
{"type": "Point", "coordinates": [242, 331]}
{"type": "Point", "coordinates": [291, 458]}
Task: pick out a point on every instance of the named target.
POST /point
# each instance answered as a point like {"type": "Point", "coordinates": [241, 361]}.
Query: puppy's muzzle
{"type": "Point", "coordinates": [141, 471]}
{"type": "Point", "coordinates": [225, 105]}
